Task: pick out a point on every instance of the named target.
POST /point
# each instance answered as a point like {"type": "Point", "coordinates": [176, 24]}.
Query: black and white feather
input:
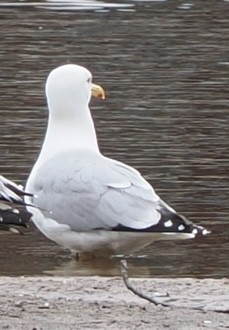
{"type": "Point", "coordinates": [13, 213]}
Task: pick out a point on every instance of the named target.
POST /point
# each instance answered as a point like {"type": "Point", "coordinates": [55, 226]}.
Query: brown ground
{"type": "Point", "coordinates": [52, 303]}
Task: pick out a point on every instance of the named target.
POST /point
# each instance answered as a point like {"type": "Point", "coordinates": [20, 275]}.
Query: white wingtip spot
{"type": "Point", "coordinates": [181, 227]}
{"type": "Point", "coordinates": [205, 232]}
{"type": "Point", "coordinates": [195, 231]}
{"type": "Point", "coordinates": [168, 224]}
{"type": "Point", "coordinates": [14, 230]}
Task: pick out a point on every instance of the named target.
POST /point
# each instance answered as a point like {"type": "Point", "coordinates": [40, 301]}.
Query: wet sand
{"type": "Point", "coordinates": [50, 303]}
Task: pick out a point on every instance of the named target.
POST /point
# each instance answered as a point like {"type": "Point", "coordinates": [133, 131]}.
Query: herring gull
{"type": "Point", "coordinates": [88, 202]}
{"type": "Point", "coordinates": [12, 206]}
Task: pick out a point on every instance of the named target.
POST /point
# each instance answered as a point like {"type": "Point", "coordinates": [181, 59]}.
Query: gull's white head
{"type": "Point", "coordinates": [69, 87]}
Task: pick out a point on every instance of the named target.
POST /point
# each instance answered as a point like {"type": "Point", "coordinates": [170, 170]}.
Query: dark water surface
{"type": "Point", "coordinates": [165, 68]}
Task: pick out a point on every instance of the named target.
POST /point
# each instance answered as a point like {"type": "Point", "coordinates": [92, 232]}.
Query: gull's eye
{"type": "Point", "coordinates": [89, 80]}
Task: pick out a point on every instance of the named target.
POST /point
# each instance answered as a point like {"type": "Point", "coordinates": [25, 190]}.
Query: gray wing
{"type": "Point", "coordinates": [89, 191]}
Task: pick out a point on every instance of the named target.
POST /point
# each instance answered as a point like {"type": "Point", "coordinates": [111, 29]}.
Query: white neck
{"type": "Point", "coordinates": [68, 133]}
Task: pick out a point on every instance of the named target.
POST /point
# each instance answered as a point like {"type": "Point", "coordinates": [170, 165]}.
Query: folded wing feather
{"type": "Point", "coordinates": [88, 191]}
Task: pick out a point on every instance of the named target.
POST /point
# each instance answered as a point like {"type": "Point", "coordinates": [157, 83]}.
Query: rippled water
{"type": "Point", "coordinates": [164, 66]}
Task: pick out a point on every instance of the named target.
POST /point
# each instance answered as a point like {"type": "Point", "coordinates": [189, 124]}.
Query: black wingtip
{"type": "Point", "coordinates": [9, 218]}
{"type": "Point", "coordinates": [13, 210]}
{"type": "Point", "coordinates": [173, 222]}
{"type": "Point", "coordinates": [170, 222]}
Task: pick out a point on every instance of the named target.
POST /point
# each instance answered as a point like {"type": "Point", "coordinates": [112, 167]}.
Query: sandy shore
{"type": "Point", "coordinates": [51, 303]}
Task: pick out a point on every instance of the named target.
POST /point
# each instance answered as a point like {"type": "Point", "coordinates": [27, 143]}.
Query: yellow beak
{"type": "Point", "coordinates": [97, 91]}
